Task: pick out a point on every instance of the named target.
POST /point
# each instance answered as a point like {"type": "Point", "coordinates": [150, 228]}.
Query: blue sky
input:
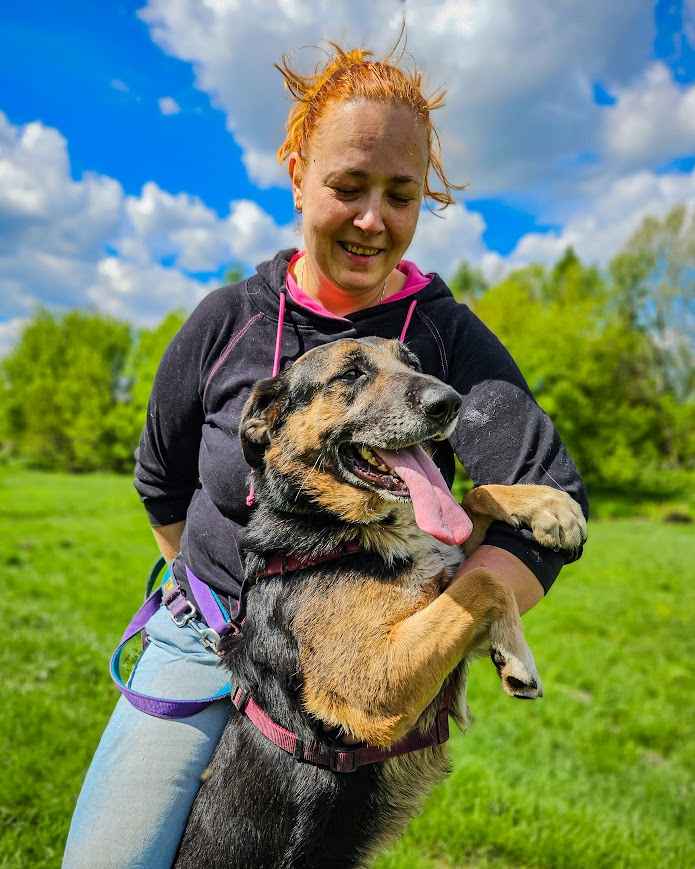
{"type": "Point", "coordinates": [93, 72]}
{"type": "Point", "coordinates": [136, 143]}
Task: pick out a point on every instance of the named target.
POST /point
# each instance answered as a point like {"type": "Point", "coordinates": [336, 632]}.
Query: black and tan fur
{"type": "Point", "coordinates": [359, 649]}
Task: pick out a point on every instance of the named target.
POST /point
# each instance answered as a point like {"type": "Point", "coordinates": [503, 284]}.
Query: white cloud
{"type": "Point", "coordinates": [519, 74]}
{"type": "Point", "coordinates": [142, 292]}
{"type": "Point", "coordinates": [254, 235]}
{"type": "Point", "coordinates": [118, 85]}
{"type": "Point", "coordinates": [441, 243]}
{"type": "Point", "coordinates": [168, 106]}
{"type": "Point", "coordinates": [616, 209]}
{"type": "Point", "coordinates": [53, 227]}
{"type": "Point", "coordinates": [164, 225]}
{"type": "Point", "coordinates": [183, 227]}
{"type": "Point", "coordinates": [653, 120]}
{"type": "Point", "coordinates": [67, 242]}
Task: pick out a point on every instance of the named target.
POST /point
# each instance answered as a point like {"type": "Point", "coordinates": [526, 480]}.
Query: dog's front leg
{"type": "Point", "coordinates": [429, 644]}
{"type": "Point", "coordinates": [392, 670]}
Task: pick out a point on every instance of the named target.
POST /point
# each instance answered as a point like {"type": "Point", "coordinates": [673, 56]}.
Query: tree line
{"type": "Point", "coordinates": [608, 354]}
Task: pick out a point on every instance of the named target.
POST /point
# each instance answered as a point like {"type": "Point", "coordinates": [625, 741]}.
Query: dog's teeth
{"type": "Point", "coordinates": [372, 459]}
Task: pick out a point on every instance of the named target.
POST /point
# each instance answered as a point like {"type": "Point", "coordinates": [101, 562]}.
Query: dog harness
{"type": "Point", "coordinates": [319, 753]}
{"type": "Point", "coordinates": [217, 623]}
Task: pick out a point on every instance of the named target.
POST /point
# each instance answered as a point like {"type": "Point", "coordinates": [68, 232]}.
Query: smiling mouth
{"type": "Point", "coordinates": [360, 249]}
{"type": "Point", "coordinates": [361, 462]}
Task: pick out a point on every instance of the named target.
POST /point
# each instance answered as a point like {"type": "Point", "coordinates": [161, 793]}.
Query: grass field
{"type": "Point", "coordinates": [600, 773]}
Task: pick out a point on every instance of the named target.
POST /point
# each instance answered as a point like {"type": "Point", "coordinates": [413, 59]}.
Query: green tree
{"type": "Point", "coordinates": [654, 281]}
{"type": "Point", "coordinates": [589, 367]}
{"type": "Point", "coordinates": [74, 391]}
{"type": "Point", "coordinates": [468, 284]}
{"type": "Point", "coordinates": [60, 388]}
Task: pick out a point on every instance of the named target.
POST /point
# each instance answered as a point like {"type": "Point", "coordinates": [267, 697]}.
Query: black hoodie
{"type": "Point", "coordinates": [189, 462]}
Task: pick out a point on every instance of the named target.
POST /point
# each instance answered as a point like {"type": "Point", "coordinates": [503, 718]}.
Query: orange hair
{"type": "Point", "coordinates": [349, 75]}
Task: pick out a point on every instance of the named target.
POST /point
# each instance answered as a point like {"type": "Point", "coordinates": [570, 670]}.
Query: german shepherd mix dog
{"type": "Point", "coordinates": [366, 634]}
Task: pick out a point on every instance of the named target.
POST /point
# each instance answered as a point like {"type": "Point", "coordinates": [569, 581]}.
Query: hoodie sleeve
{"type": "Point", "coordinates": [503, 436]}
{"type": "Point", "coordinates": [166, 469]}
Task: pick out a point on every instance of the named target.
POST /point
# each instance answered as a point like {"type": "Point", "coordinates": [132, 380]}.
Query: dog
{"type": "Point", "coordinates": [364, 639]}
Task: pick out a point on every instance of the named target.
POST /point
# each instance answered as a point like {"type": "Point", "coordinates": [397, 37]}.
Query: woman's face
{"type": "Point", "coordinates": [360, 191]}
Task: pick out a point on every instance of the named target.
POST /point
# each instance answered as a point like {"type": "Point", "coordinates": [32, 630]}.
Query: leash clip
{"type": "Point", "coordinates": [208, 637]}
{"type": "Point", "coordinates": [183, 618]}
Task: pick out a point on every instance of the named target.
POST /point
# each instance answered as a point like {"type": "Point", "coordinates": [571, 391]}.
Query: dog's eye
{"type": "Point", "coordinates": [351, 375]}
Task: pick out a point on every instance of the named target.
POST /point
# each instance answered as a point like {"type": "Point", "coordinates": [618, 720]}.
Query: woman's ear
{"type": "Point", "coordinates": [257, 418]}
{"type": "Point", "coordinates": [295, 168]}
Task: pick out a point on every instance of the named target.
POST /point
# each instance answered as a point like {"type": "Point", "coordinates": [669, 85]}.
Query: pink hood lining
{"type": "Point", "coordinates": [415, 280]}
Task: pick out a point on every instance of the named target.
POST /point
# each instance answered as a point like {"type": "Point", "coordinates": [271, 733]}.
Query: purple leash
{"type": "Point", "coordinates": [182, 612]}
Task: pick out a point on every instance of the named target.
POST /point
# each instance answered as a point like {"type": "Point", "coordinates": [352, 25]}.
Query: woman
{"type": "Point", "coordinates": [360, 148]}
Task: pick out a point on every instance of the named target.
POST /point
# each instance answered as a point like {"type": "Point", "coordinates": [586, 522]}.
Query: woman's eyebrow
{"type": "Point", "coordinates": [361, 175]}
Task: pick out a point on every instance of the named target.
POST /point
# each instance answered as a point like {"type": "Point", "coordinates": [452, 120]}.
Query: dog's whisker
{"type": "Point", "coordinates": [301, 485]}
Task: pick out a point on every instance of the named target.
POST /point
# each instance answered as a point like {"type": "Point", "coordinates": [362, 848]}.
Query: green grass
{"type": "Point", "coordinates": [600, 773]}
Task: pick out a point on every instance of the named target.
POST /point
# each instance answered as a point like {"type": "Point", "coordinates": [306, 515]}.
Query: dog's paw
{"type": "Point", "coordinates": [518, 674]}
{"type": "Point", "coordinates": [556, 520]}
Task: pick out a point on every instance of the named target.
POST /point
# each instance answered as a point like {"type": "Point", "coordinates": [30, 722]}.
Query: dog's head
{"type": "Point", "coordinates": [327, 427]}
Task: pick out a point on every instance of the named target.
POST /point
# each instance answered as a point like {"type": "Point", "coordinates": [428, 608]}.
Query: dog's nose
{"type": "Point", "coordinates": [440, 403]}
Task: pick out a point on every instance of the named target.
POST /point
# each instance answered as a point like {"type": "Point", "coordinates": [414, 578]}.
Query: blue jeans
{"type": "Point", "coordinates": [135, 799]}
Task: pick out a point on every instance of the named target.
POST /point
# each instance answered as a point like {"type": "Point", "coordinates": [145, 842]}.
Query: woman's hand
{"type": "Point", "coordinates": [510, 570]}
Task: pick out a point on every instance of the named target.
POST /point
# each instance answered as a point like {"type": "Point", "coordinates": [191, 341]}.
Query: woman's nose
{"type": "Point", "coordinates": [369, 217]}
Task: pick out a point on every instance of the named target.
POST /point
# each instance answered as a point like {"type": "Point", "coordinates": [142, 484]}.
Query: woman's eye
{"type": "Point", "coordinates": [401, 200]}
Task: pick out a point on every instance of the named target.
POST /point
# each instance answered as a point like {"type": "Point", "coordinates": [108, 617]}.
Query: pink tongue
{"type": "Point", "coordinates": [436, 512]}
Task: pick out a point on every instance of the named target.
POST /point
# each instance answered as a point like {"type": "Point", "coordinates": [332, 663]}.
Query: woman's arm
{"type": "Point", "coordinates": [166, 471]}
{"type": "Point", "coordinates": [504, 437]}
{"type": "Point", "coordinates": [168, 539]}
{"type": "Point", "coordinates": [508, 569]}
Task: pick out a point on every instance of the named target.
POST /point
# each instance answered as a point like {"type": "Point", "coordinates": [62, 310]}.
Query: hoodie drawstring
{"type": "Point", "coordinates": [408, 318]}
{"type": "Point", "coordinates": [278, 336]}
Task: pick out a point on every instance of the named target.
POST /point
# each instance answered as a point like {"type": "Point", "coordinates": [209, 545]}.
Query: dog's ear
{"type": "Point", "coordinates": [257, 418]}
